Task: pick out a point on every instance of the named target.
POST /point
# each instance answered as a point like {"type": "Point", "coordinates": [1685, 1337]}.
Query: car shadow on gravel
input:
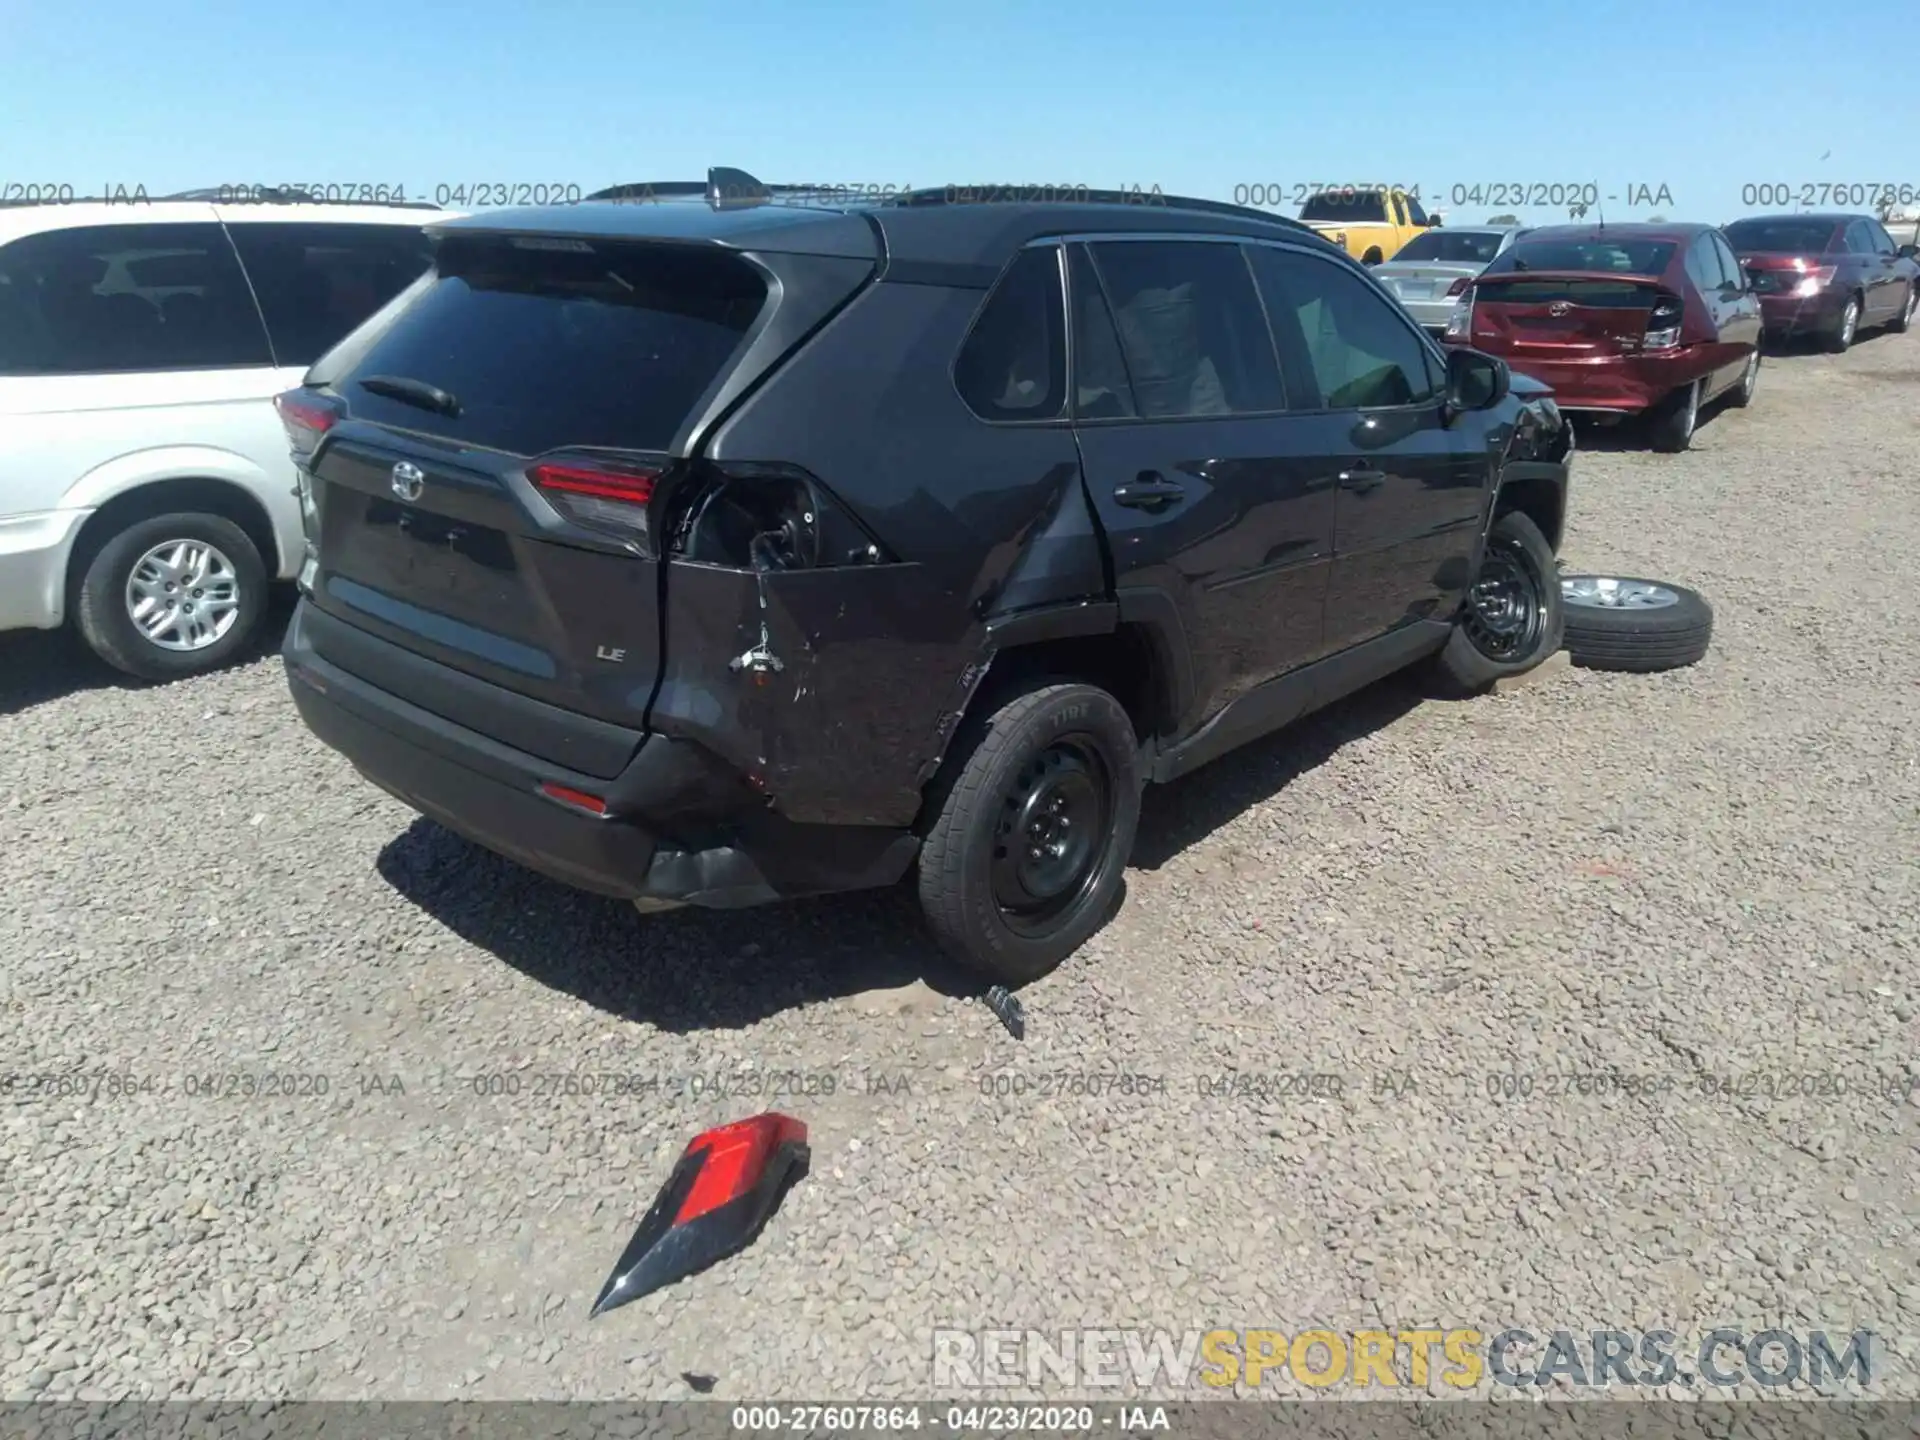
{"type": "Point", "coordinates": [1174, 817]}
{"type": "Point", "coordinates": [40, 666]}
{"type": "Point", "coordinates": [681, 970]}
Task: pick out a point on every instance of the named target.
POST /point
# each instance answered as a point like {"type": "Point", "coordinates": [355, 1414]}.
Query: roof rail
{"type": "Point", "coordinates": [991, 194]}
{"type": "Point", "coordinates": [725, 188]}
{"type": "Point", "coordinates": [283, 195]}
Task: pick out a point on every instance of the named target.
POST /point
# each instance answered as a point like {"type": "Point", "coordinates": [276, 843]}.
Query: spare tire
{"type": "Point", "coordinates": [1623, 623]}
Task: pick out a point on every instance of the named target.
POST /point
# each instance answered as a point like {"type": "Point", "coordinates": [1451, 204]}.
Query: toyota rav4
{"type": "Point", "coordinates": [742, 547]}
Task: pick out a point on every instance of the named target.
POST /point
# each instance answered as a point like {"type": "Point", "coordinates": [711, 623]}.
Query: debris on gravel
{"type": "Point", "coordinates": [309, 1098]}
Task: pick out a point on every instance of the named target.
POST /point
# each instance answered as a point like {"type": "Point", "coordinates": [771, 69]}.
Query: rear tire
{"type": "Point", "coordinates": [1742, 395]}
{"type": "Point", "coordinates": [1903, 322]}
{"type": "Point", "coordinates": [1840, 338]}
{"type": "Point", "coordinates": [217, 597]}
{"type": "Point", "coordinates": [1009, 887]}
{"type": "Point", "coordinates": [1512, 619]}
{"type": "Point", "coordinates": [1677, 418]}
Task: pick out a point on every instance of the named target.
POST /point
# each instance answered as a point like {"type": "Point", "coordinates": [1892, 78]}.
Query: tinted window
{"type": "Point", "coordinates": [610, 346]}
{"type": "Point", "coordinates": [1474, 247]}
{"type": "Point", "coordinates": [1014, 363]}
{"type": "Point", "coordinates": [315, 283]}
{"type": "Point", "coordinates": [1782, 237]}
{"type": "Point", "coordinates": [1190, 329]}
{"type": "Point", "coordinates": [1348, 207]}
{"type": "Point", "coordinates": [1414, 212]}
{"type": "Point", "coordinates": [1730, 272]}
{"type": "Point", "coordinates": [117, 298]}
{"type": "Point", "coordinates": [1362, 354]}
{"type": "Point", "coordinates": [1882, 241]}
{"type": "Point", "coordinates": [1621, 256]}
{"type": "Point", "coordinates": [1703, 266]}
{"type": "Point", "coordinates": [1102, 389]}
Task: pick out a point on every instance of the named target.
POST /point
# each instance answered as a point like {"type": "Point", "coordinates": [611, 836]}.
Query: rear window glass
{"type": "Point", "coordinates": [544, 348]}
{"type": "Point", "coordinates": [1623, 256]}
{"type": "Point", "coordinates": [1591, 294]}
{"type": "Point", "coordinates": [1783, 237]}
{"type": "Point", "coordinates": [1354, 207]}
{"type": "Point", "coordinates": [1475, 247]}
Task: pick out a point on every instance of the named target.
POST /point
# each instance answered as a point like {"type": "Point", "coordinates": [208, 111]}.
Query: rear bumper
{"type": "Point", "coordinates": [1620, 385]}
{"type": "Point", "coordinates": [679, 826]}
{"type": "Point", "coordinates": [1784, 314]}
{"type": "Point", "coordinates": [33, 567]}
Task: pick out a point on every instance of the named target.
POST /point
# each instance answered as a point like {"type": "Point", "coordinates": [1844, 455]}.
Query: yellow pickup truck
{"type": "Point", "coordinates": [1368, 222]}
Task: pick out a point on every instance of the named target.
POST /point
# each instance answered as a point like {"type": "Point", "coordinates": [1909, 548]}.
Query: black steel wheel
{"type": "Point", "coordinates": [1511, 618]}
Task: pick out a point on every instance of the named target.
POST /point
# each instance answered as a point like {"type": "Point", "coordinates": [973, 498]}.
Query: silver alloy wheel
{"type": "Point", "coordinates": [1913, 302]}
{"type": "Point", "coordinates": [1693, 409]}
{"type": "Point", "coordinates": [1752, 376]}
{"type": "Point", "coordinates": [1849, 321]}
{"type": "Point", "coordinates": [1602, 592]}
{"type": "Point", "coordinates": [183, 595]}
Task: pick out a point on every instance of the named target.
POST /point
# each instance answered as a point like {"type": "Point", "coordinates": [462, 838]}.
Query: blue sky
{"type": "Point", "coordinates": [1703, 97]}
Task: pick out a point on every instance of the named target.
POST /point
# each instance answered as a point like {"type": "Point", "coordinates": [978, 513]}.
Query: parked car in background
{"type": "Point", "coordinates": [636, 570]}
{"type": "Point", "coordinates": [1369, 224]}
{"type": "Point", "coordinates": [146, 493]}
{"type": "Point", "coordinates": [1433, 269]}
{"type": "Point", "coordinates": [1829, 276]}
{"type": "Point", "coordinates": [1621, 320]}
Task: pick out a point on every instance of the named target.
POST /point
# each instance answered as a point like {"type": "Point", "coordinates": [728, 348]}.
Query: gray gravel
{"type": "Point", "coordinates": [1711, 871]}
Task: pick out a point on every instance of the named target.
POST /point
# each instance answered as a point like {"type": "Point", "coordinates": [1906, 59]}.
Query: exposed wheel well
{"type": "Point", "coordinates": [1541, 501]}
{"type": "Point", "coordinates": [197, 493]}
{"type": "Point", "coordinates": [1124, 663]}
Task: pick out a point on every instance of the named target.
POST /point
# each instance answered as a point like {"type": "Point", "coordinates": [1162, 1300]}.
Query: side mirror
{"type": "Point", "coordinates": [1910, 252]}
{"type": "Point", "coordinates": [1475, 381]}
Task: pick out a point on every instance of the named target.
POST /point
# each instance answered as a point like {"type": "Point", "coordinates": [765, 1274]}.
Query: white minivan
{"type": "Point", "coordinates": [146, 493]}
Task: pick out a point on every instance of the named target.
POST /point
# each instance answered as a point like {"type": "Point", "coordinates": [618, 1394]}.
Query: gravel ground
{"type": "Point", "coordinates": [1710, 872]}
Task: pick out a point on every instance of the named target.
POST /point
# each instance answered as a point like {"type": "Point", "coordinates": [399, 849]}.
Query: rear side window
{"type": "Point", "coordinates": [109, 299]}
{"type": "Point", "coordinates": [1414, 212]}
{"type": "Point", "coordinates": [315, 283]}
{"type": "Point", "coordinates": [1362, 354]}
{"type": "Point", "coordinates": [1102, 390]}
{"type": "Point", "coordinates": [1013, 365]}
{"type": "Point", "coordinates": [1347, 207]}
{"type": "Point", "coordinates": [1703, 266]}
{"type": "Point", "coordinates": [1191, 332]}
{"type": "Point", "coordinates": [543, 348]}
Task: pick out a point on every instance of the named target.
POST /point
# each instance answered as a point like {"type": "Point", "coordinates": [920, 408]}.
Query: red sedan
{"type": "Point", "coordinates": [1654, 320]}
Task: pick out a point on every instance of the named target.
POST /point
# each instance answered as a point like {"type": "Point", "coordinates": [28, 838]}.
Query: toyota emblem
{"type": "Point", "coordinates": [1558, 307]}
{"type": "Point", "coordinates": [408, 481]}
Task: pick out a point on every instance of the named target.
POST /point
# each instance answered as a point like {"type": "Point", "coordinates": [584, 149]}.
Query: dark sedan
{"type": "Point", "coordinates": [1829, 276]}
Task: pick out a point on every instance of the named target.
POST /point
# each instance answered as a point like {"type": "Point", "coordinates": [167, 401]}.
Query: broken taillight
{"type": "Point", "coordinates": [306, 416]}
{"type": "Point", "coordinates": [1663, 324]}
{"type": "Point", "coordinates": [608, 496]}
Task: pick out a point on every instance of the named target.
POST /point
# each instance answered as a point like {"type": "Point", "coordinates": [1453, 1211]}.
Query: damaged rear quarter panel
{"type": "Point", "coordinates": [874, 661]}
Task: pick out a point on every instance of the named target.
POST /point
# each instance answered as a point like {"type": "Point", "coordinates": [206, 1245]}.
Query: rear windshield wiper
{"type": "Point", "coordinates": [412, 392]}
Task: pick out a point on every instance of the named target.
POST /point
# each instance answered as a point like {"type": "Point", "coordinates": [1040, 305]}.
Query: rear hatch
{"type": "Point", "coordinates": [1567, 315]}
{"type": "Point", "coordinates": [484, 497]}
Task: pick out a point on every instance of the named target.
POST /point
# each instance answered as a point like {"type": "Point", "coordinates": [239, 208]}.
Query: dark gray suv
{"type": "Point", "coordinates": [751, 544]}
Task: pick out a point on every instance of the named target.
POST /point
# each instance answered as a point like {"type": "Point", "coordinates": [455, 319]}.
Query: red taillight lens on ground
{"type": "Point", "coordinates": [600, 495]}
{"type": "Point", "coordinates": [574, 799]}
{"type": "Point", "coordinates": [306, 417]}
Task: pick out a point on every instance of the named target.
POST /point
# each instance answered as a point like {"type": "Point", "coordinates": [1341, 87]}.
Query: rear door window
{"type": "Point", "coordinates": [1102, 389]}
{"type": "Point", "coordinates": [1013, 365]}
{"type": "Point", "coordinates": [1191, 332]}
{"type": "Point", "coordinates": [1703, 268]}
{"type": "Point", "coordinates": [551, 343]}
{"type": "Point", "coordinates": [109, 299]}
{"type": "Point", "coordinates": [1360, 351]}
{"type": "Point", "coordinates": [317, 282]}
